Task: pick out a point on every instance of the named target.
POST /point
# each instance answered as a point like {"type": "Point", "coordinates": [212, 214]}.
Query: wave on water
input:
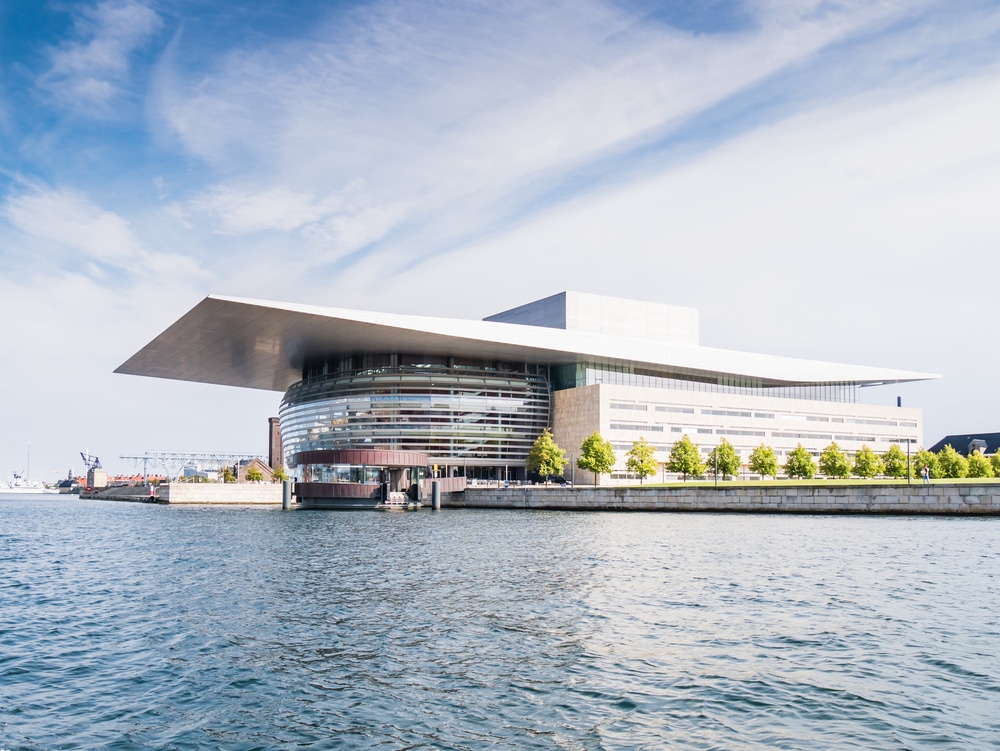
{"type": "Point", "coordinates": [134, 626]}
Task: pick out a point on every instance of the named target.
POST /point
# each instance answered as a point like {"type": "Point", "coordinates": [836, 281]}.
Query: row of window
{"type": "Point", "coordinates": [728, 433]}
{"type": "Point", "coordinates": [357, 364]}
{"type": "Point", "coordinates": [446, 413]}
{"type": "Point", "coordinates": [645, 428]}
{"type": "Point", "coordinates": [639, 407]}
{"type": "Point", "coordinates": [589, 374]}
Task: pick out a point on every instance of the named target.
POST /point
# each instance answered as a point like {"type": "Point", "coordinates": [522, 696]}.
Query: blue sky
{"type": "Point", "coordinates": [821, 179]}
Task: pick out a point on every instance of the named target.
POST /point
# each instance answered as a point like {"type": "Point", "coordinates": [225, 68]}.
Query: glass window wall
{"type": "Point", "coordinates": [450, 414]}
{"type": "Point", "coordinates": [590, 373]}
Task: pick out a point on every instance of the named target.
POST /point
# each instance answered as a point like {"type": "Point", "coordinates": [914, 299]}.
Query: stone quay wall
{"type": "Point", "coordinates": [221, 493]}
{"type": "Point", "coordinates": [960, 499]}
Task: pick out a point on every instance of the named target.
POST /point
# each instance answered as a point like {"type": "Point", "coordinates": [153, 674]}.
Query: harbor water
{"type": "Point", "coordinates": [135, 626]}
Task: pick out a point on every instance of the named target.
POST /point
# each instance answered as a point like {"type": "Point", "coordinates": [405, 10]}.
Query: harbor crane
{"type": "Point", "coordinates": [173, 461]}
{"type": "Point", "coordinates": [91, 462]}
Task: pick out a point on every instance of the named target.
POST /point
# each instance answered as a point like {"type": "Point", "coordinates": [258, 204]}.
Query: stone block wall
{"type": "Point", "coordinates": [938, 498]}
{"type": "Point", "coordinates": [221, 493]}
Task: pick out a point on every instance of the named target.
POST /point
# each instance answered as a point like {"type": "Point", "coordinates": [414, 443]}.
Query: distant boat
{"type": "Point", "coordinates": [22, 487]}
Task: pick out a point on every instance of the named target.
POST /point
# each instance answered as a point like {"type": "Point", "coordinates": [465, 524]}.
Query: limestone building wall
{"type": "Point", "coordinates": [623, 414]}
{"type": "Point", "coordinates": [576, 414]}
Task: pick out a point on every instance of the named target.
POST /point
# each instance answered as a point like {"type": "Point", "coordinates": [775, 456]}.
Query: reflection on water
{"type": "Point", "coordinates": [131, 626]}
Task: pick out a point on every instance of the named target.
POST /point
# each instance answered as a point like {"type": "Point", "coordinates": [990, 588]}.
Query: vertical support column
{"type": "Point", "coordinates": [286, 494]}
{"type": "Point", "coordinates": [436, 495]}
{"type": "Point", "coordinates": [275, 450]}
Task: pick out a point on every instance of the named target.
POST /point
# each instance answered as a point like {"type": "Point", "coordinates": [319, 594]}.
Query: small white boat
{"type": "Point", "coordinates": [21, 486]}
{"type": "Point", "coordinates": [398, 502]}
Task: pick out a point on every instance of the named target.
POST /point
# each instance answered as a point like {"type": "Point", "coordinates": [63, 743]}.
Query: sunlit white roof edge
{"type": "Point", "coordinates": [603, 347]}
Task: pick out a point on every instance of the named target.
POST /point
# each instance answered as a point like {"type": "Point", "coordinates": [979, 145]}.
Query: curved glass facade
{"type": "Point", "coordinates": [472, 413]}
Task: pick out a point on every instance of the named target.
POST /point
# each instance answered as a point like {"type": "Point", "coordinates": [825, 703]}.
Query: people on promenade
{"type": "Point", "coordinates": [926, 474]}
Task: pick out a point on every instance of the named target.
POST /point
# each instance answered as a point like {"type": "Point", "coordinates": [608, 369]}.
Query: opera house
{"type": "Point", "coordinates": [468, 398]}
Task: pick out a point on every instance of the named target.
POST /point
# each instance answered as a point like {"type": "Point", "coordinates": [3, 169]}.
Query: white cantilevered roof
{"type": "Point", "coordinates": [262, 345]}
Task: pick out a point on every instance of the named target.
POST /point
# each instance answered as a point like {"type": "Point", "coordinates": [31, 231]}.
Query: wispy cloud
{"type": "Point", "coordinates": [242, 211]}
{"type": "Point", "coordinates": [65, 228]}
{"type": "Point", "coordinates": [845, 232]}
{"type": "Point", "coordinates": [819, 176]}
{"type": "Point", "coordinates": [89, 73]}
{"type": "Point", "coordinates": [450, 115]}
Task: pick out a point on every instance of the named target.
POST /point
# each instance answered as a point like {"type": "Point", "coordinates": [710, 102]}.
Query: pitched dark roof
{"type": "Point", "coordinates": [961, 442]}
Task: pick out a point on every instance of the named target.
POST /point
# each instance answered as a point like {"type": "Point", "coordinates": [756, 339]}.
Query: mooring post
{"type": "Point", "coordinates": [286, 494]}
{"type": "Point", "coordinates": [435, 495]}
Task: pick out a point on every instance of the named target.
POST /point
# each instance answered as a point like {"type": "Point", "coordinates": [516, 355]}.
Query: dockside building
{"type": "Point", "coordinates": [472, 396]}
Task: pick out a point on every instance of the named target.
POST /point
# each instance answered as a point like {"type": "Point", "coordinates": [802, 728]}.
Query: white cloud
{"type": "Point", "coordinates": [279, 208]}
{"type": "Point", "coordinates": [65, 227]}
{"type": "Point", "coordinates": [862, 232]}
{"type": "Point", "coordinates": [87, 75]}
{"type": "Point", "coordinates": [447, 114]}
{"type": "Point", "coordinates": [849, 225]}
{"type": "Point", "coordinates": [68, 218]}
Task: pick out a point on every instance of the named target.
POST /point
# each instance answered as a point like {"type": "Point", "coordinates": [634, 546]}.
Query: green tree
{"type": "Point", "coordinates": [867, 463]}
{"type": "Point", "coordinates": [254, 474]}
{"type": "Point", "coordinates": [979, 466]}
{"type": "Point", "coordinates": [280, 475]}
{"type": "Point", "coordinates": [833, 462]}
{"type": "Point", "coordinates": [894, 461]}
{"type": "Point", "coordinates": [763, 461]}
{"type": "Point", "coordinates": [724, 459]}
{"type": "Point", "coordinates": [800, 464]}
{"type": "Point", "coordinates": [952, 464]}
{"type": "Point", "coordinates": [640, 459]}
{"type": "Point", "coordinates": [227, 474]}
{"type": "Point", "coordinates": [685, 459]}
{"type": "Point", "coordinates": [924, 458]}
{"type": "Point", "coordinates": [596, 455]}
{"type": "Point", "coordinates": [995, 461]}
{"type": "Point", "coordinates": [545, 456]}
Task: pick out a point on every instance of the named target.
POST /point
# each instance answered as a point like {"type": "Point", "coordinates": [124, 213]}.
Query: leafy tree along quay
{"type": "Point", "coordinates": [894, 462]}
{"type": "Point", "coordinates": [868, 464]}
{"type": "Point", "coordinates": [800, 464]}
{"type": "Point", "coordinates": [952, 464]}
{"type": "Point", "coordinates": [640, 459]}
{"type": "Point", "coordinates": [597, 455]}
{"type": "Point", "coordinates": [763, 461]}
{"type": "Point", "coordinates": [545, 456]}
{"type": "Point", "coordinates": [724, 460]}
{"type": "Point", "coordinates": [979, 466]}
{"type": "Point", "coordinates": [833, 462]}
{"type": "Point", "coordinates": [685, 459]}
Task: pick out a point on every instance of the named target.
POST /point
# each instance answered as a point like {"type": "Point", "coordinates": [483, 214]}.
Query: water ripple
{"type": "Point", "coordinates": [127, 626]}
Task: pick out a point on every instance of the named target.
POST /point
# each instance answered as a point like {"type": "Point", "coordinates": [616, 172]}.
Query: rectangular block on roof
{"type": "Point", "coordinates": [610, 316]}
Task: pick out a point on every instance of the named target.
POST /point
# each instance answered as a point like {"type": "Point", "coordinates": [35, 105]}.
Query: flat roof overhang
{"type": "Point", "coordinates": [262, 345]}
